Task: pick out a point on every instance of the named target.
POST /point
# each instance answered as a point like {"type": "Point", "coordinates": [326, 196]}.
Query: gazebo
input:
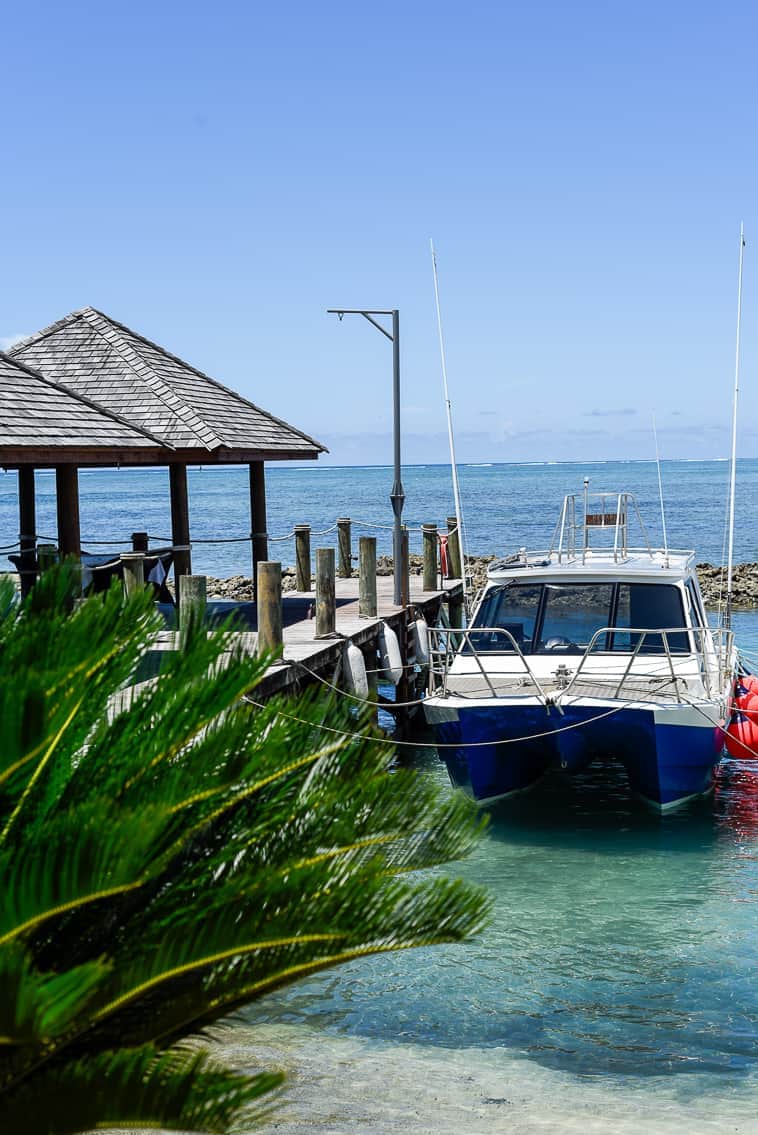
{"type": "Point", "coordinates": [88, 391]}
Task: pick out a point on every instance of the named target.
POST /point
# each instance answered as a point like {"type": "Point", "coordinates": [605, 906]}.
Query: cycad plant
{"type": "Point", "coordinates": [170, 854]}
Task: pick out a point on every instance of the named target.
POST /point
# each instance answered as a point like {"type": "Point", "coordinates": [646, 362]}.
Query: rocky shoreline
{"type": "Point", "coordinates": [744, 583]}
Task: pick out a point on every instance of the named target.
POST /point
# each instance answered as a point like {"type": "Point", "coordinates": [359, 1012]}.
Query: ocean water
{"type": "Point", "coordinates": [505, 506]}
{"type": "Point", "coordinates": [615, 990]}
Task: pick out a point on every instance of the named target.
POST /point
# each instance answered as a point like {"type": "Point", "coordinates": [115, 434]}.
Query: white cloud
{"type": "Point", "coordinates": [8, 341]}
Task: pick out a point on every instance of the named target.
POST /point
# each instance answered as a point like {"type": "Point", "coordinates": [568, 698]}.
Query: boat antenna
{"type": "Point", "coordinates": [660, 495]}
{"type": "Point", "coordinates": [451, 439]}
{"type": "Point", "coordinates": [733, 470]}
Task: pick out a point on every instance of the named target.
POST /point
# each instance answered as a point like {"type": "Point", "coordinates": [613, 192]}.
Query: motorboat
{"type": "Point", "coordinates": [596, 647]}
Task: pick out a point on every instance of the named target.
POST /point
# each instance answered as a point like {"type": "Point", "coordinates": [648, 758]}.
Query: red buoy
{"type": "Point", "coordinates": [742, 735]}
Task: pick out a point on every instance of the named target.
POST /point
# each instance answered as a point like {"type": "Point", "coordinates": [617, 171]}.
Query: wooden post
{"type": "Point", "coordinates": [192, 597]}
{"type": "Point", "coordinates": [345, 545]}
{"type": "Point", "coordinates": [455, 608]}
{"type": "Point", "coordinates": [139, 541]}
{"type": "Point", "coordinates": [27, 524]}
{"type": "Point", "coordinates": [268, 591]}
{"type": "Point", "coordinates": [67, 500]}
{"type": "Point", "coordinates": [133, 567]}
{"type": "Point", "coordinates": [371, 660]}
{"type": "Point", "coordinates": [454, 548]}
{"type": "Point", "coordinates": [403, 687]}
{"type": "Point", "coordinates": [303, 557]}
{"type": "Point", "coordinates": [326, 606]}
{"type": "Point", "coordinates": [258, 515]}
{"type": "Point", "coordinates": [180, 530]}
{"type": "Point", "coordinates": [405, 569]}
{"type": "Point", "coordinates": [367, 577]}
{"type": "Point", "coordinates": [430, 556]}
{"type": "Point", "coordinates": [47, 555]}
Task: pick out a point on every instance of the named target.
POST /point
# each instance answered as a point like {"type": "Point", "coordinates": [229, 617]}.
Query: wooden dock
{"type": "Point", "coordinates": [305, 657]}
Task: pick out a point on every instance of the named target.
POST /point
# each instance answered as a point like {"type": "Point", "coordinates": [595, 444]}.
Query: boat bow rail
{"type": "Point", "coordinates": [460, 667]}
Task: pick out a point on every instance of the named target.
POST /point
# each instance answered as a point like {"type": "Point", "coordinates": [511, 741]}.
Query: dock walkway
{"type": "Point", "coordinates": [302, 651]}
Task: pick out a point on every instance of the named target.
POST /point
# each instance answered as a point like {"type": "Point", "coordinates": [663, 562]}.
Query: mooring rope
{"type": "Point", "coordinates": [452, 745]}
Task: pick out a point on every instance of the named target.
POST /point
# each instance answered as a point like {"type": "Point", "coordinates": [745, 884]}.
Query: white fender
{"type": "Point", "coordinates": [389, 655]}
{"type": "Point", "coordinates": [354, 670]}
{"type": "Point", "coordinates": [420, 639]}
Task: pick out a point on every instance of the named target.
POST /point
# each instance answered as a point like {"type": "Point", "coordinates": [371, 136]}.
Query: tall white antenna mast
{"type": "Point", "coordinates": [660, 496]}
{"type": "Point", "coordinates": [456, 490]}
{"type": "Point", "coordinates": [733, 473]}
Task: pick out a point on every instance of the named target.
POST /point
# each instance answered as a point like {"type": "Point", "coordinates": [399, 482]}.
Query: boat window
{"type": "Point", "coordinates": [573, 612]}
{"type": "Point", "coordinates": [643, 606]}
{"type": "Point", "coordinates": [696, 607]}
{"type": "Point", "coordinates": [512, 608]}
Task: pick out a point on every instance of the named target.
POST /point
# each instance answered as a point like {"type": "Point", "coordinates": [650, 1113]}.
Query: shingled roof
{"type": "Point", "coordinates": [118, 370]}
{"type": "Point", "coordinates": [36, 413]}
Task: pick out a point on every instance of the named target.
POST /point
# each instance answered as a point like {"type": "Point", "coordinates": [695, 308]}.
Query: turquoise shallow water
{"type": "Point", "coordinates": [622, 953]}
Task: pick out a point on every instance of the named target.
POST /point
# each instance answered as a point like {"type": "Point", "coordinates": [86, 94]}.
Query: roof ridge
{"type": "Point", "coordinates": [209, 378]}
{"type": "Point", "coordinates": [160, 388]}
{"type": "Point", "coordinates": [86, 401]}
{"type": "Point", "coordinates": [49, 330]}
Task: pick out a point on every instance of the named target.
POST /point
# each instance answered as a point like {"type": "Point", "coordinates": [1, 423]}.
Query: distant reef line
{"type": "Point", "coordinates": [712, 580]}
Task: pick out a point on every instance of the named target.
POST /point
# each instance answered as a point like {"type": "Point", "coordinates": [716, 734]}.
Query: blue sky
{"type": "Point", "coordinates": [216, 176]}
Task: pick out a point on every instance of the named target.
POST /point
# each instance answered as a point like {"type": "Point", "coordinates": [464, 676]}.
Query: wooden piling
{"type": "Point", "coordinates": [345, 546]}
{"type": "Point", "coordinates": [27, 527]}
{"type": "Point", "coordinates": [454, 547]}
{"type": "Point", "coordinates": [403, 689]}
{"type": "Point", "coordinates": [326, 604]}
{"type": "Point", "coordinates": [47, 555]}
{"type": "Point", "coordinates": [139, 541]}
{"type": "Point", "coordinates": [268, 593]}
{"type": "Point", "coordinates": [367, 605]}
{"type": "Point", "coordinates": [429, 534]}
{"type": "Point", "coordinates": [455, 609]}
{"type": "Point", "coordinates": [192, 597]}
{"type": "Point", "coordinates": [303, 557]}
{"type": "Point", "coordinates": [371, 661]}
{"type": "Point", "coordinates": [133, 568]}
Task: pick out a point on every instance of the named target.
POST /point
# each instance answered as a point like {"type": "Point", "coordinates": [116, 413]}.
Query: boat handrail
{"type": "Point", "coordinates": [720, 640]}
{"type": "Point", "coordinates": [709, 644]}
{"type": "Point", "coordinates": [600, 510]}
{"type": "Point", "coordinates": [536, 558]}
{"type": "Point", "coordinates": [459, 638]}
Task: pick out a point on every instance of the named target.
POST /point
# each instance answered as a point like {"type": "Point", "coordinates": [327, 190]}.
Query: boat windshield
{"type": "Point", "coordinates": [561, 618]}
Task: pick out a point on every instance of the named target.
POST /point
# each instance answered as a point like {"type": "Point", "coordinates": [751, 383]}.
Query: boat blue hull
{"type": "Point", "coordinates": [500, 750]}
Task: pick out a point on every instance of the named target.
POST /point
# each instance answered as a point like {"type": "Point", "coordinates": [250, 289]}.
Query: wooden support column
{"type": "Point", "coordinates": [180, 530]}
{"type": "Point", "coordinates": [367, 607]}
{"type": "Point", "coordinates": [27, 527]}
{"type": "Point", "coordinates": [326, 603]}
{"type": "Point", "coordinates": [303, 557]}
{"type": "Point", "coordinates": [268, 590]}
{"type": "Point", "coordinates": [430, 556]}
{"type": "Point", "coordinates": [67, 498]}
{"type": "Point", "coordinates": [258, 516]}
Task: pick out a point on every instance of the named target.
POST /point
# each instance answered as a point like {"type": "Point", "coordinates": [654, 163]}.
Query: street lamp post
{"type": "Point", "coordinates": [397, 496]}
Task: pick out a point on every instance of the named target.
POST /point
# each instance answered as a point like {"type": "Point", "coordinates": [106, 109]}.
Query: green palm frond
{"type": "Point", "coordinates": [165, 860]}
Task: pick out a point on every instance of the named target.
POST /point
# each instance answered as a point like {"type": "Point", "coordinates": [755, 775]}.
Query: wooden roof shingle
{"type": "Point", "coordinates": [36, 414]}
{"type": "Point", "coordinates": [103, 360]}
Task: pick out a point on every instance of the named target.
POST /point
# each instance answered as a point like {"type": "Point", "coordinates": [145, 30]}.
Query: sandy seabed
{"type": "Point", "coordinates": [348, 1086]}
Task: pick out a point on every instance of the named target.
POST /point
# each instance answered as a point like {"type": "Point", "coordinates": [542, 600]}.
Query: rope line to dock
{"type": "Point", "coordinates": [451, 745]}
{"type": "Point", "coordinates": [387, 704]}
